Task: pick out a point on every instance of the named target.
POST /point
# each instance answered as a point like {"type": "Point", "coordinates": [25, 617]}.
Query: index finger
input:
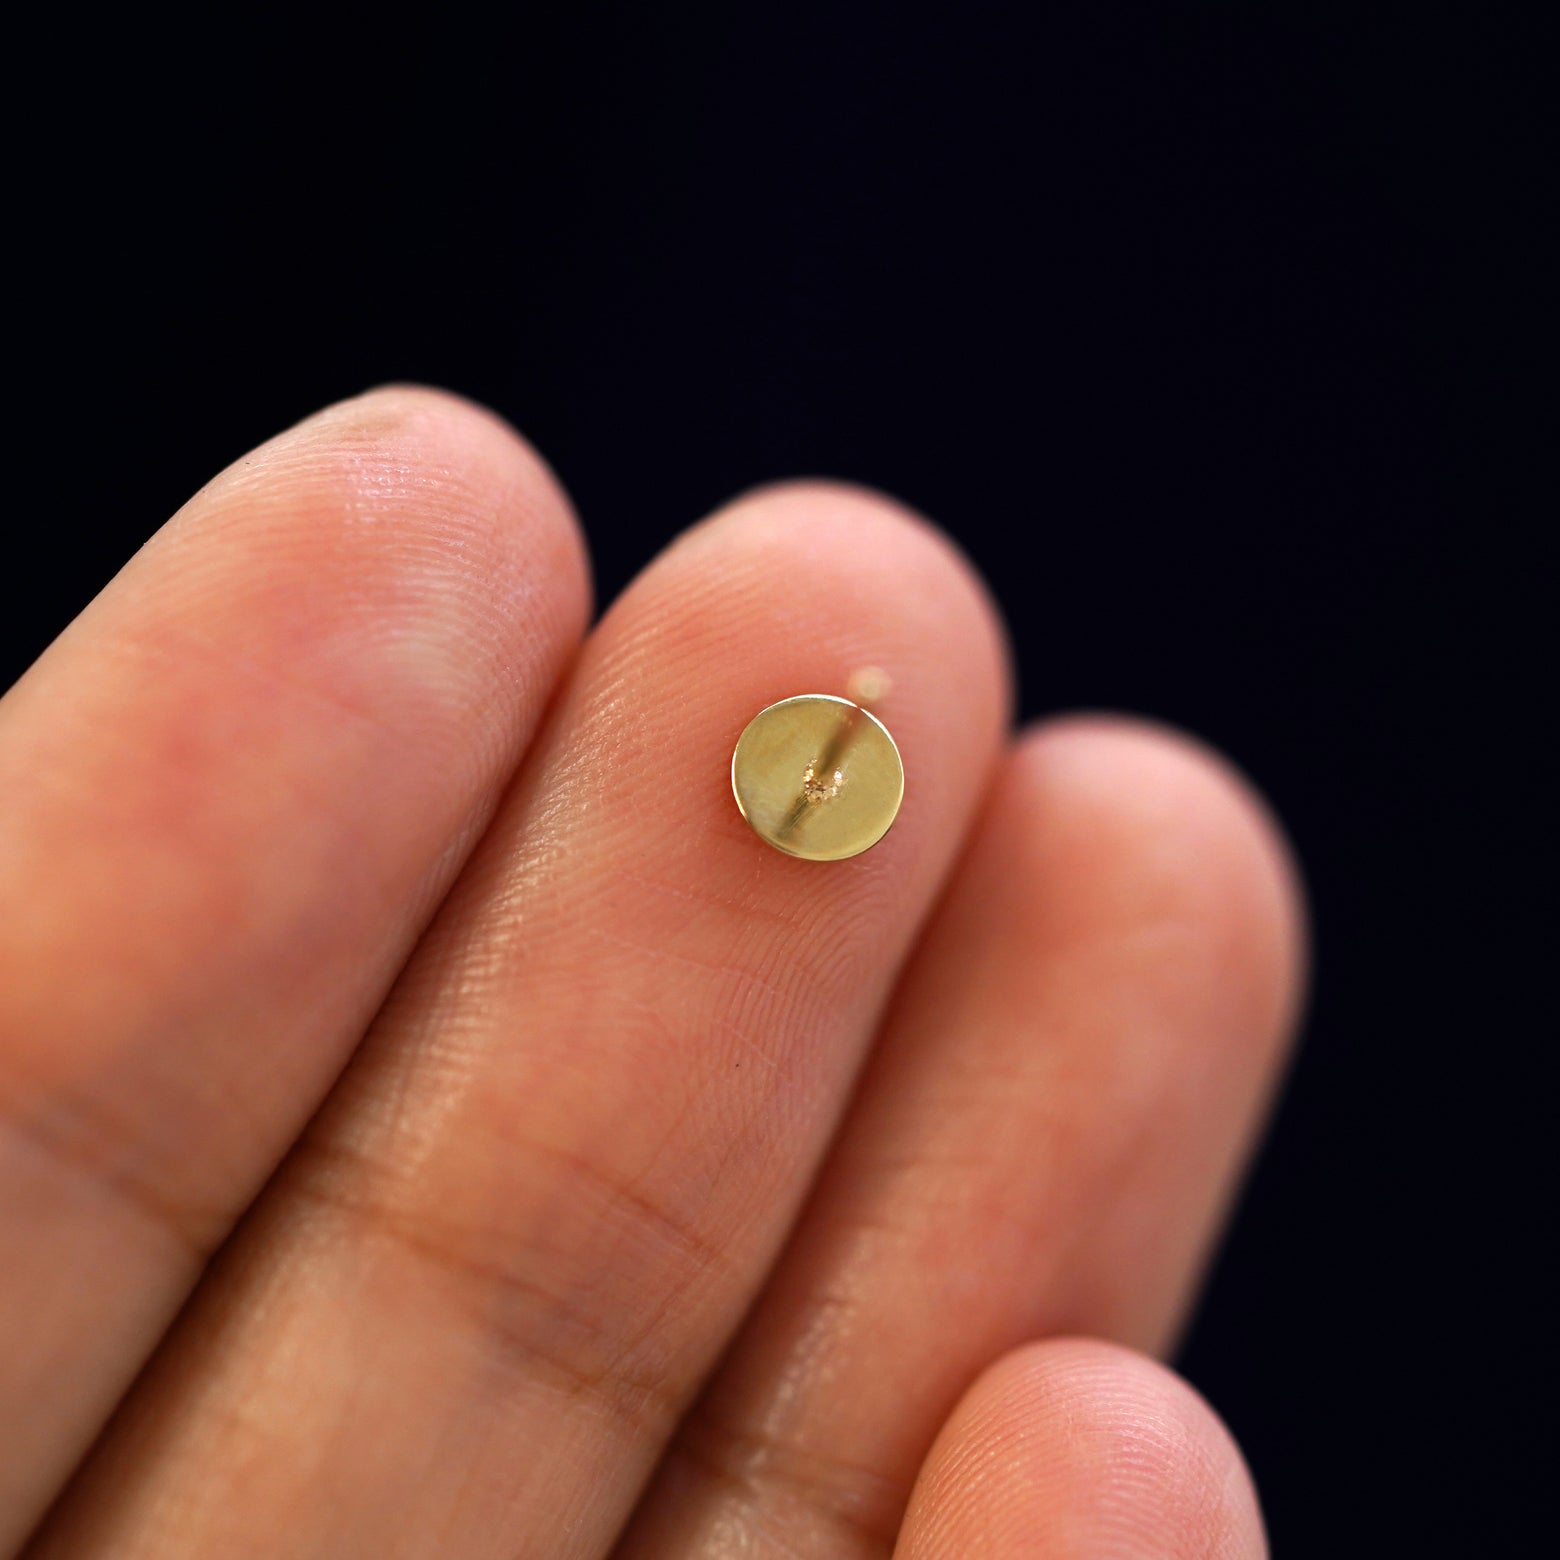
{"type": "Point", "coordinates": [234, 791]}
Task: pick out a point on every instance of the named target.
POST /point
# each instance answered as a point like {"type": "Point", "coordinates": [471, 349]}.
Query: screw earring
{"type": "Point", "coordinates": [818, 776]}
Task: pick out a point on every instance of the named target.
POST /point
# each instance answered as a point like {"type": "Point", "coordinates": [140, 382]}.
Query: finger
{"type": "Point", "coordinates": [1066, 1085]}
{"type": "Point", "coordinates": [1076, 1449]}
{"type": "Point", "coordinates": [233, 790]}
{"type": "Point", "coordinates": [503, 1260]}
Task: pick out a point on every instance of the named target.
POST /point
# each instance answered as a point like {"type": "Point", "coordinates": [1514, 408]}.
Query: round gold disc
{"type": "Point", "coordinates": [817, 777]}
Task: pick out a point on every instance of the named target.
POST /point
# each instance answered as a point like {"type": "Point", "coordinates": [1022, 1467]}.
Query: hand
{"type": "Point", "coordinates": [435, 1125]}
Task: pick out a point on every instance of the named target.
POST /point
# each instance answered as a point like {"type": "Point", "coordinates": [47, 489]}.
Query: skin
{"type": "Point", "coordinates": [433, 1123]}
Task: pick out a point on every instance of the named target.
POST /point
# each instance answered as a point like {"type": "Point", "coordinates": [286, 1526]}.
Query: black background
{"type": "Point", "coordinates": [1209, 331]}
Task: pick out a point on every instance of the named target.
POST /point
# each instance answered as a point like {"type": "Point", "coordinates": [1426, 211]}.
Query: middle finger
{"type": "Point", "coordinates": [468, 1314]}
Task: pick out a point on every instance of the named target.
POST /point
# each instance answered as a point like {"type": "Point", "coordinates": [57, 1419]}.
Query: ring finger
{"type": "Point", "coordinates": [1043, 1143]}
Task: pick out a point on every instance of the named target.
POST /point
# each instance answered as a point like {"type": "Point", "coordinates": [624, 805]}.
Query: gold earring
{"type": "Point", "coordinates": [818, 776]}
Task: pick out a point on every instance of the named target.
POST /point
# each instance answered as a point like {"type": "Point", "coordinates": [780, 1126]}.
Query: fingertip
{"type": "Point", "coordinates": [1206, 845]}
{"type": "Point", "coordinates": [1074, 1447]}
{"type": "Point", "coordinates": [870, 552]}
{"type": "Point", "coordinates": [422, 465]}
{"type": "Point", "coordinates": [402, 544]}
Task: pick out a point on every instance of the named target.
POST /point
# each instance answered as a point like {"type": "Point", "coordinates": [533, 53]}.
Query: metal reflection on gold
{"type": "Point", "coordinates": [817, 777]}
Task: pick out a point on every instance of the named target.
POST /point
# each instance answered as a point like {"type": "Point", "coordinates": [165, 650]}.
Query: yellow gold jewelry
{"type": "Point", "coordinates": [819, 777]}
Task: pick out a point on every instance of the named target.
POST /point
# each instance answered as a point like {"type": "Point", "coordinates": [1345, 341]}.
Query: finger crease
{"type": "Point", "coordinates": [78, 1138]}
{"type": "Point", "coordinates": [861, 1505]}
